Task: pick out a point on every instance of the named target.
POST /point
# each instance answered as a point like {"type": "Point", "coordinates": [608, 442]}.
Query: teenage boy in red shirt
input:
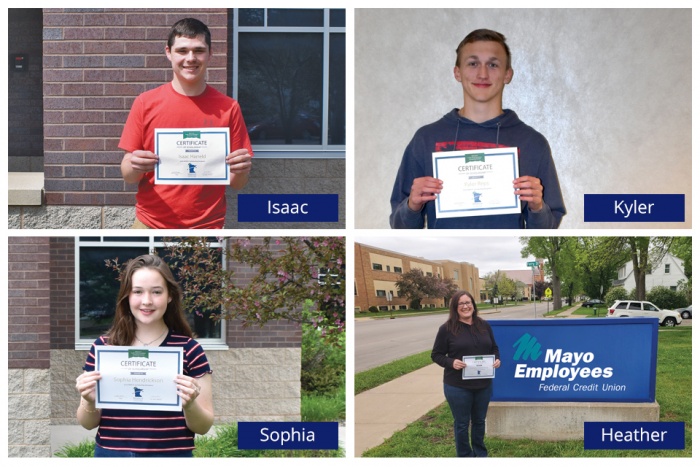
{"type": "Point", "coordinates": [186, 102]}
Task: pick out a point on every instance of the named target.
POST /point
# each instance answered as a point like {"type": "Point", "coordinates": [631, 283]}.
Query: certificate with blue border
{"type": "Point", "coordinates": [192, 156]}
{"type": "Point", "coordinates": [476, 182]}
{"type": "Point", "coordinates": [138, 378]}
{"type": "Point", "coordinates": [478, 367]}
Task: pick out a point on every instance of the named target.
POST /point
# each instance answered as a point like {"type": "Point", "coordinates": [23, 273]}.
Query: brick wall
{"type": "Point", "coordinates": [275, 334]}
{"type": "Point", "coordinates": [28, 302]}
{"type": "Point", "coordinates": [25, 148]}
{"type": "Point", "coordinates": [95, 63]}
{"type": "Point", "coordinates": [62, 275]}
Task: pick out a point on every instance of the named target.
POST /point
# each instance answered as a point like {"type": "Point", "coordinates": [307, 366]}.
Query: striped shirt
{"type": "Point", "coordinates": [151, 431]}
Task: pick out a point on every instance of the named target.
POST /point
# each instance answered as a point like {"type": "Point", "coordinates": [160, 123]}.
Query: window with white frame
{"type": "Point", "coordinates": [97, 287]}
{"type": "Point", "coordinates": [289, 78]}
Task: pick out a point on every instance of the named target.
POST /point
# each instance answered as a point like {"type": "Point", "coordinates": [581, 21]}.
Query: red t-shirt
{"type": "Point", "coordinates": [181, 206]}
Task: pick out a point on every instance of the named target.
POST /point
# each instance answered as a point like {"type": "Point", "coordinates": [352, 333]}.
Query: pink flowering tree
{"type": "Point", "coordinates": [270, 279]}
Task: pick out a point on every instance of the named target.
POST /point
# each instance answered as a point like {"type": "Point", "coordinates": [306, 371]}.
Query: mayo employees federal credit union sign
{"type": "Point", "coordinates": [576, 360]}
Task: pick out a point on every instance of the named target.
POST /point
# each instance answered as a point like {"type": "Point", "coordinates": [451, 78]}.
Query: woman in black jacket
{"type": "Point", "coordinates": [465, 333]}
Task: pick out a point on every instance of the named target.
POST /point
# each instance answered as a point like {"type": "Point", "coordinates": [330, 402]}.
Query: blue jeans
{"type": "Point", "coordinates": [103, 452]}
{"type": "Point", "coordinates": [469, 406]}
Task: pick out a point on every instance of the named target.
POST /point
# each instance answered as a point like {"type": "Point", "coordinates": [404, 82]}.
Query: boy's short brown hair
{"type": "Point", "coordinates": [479, 35]}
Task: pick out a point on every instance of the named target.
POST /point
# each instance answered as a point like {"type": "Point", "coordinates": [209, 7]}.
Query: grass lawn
{"type": "Point", "coordinates": [384, 373]}
{"type": "Point", "coordinates": [589, 312]}
{"type": "Point", "coordinates": [431, 435]}
{"type": "Point", "coordinates": [224, 444]}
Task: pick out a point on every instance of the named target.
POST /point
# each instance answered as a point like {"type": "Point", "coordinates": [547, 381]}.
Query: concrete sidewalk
{"type": "Point", "coordinates": [386, 409]}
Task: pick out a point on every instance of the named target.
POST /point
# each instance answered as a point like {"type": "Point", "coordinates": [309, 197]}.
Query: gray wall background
{"type": "Point", "coordinates": [609, 89]}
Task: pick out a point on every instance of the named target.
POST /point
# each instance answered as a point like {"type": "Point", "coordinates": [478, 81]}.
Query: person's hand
{"type": "Point", "coordinates": [424, 189]}
{"type": "Point", "coordinates": [239, 161]}
{"type": "Point", "coordinates": [458, 364]}
{"type": "Point", "coordinates": [143, 161]}
{"type": "Point", "coordinates": [86, 385]}
{"type": "Point", "coordinates": [188, 389]}
{"type": "Point", "coordinates": [496, 363]}
{"type": "Point", "coordinates": [529, 189]}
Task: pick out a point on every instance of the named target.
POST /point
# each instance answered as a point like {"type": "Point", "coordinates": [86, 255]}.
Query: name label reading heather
{"type": "Point", "coordinates": [633, 435]}
{"type": "Point", "coordinates": [287, 208]}
{"type": "Point", "coordinates": [288, 435]}
{"type": "Point", "coordinates": [634, 208]}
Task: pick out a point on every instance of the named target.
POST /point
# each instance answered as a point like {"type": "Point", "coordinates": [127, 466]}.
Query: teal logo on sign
{"type": "Point", "coordinates": [527, 347]}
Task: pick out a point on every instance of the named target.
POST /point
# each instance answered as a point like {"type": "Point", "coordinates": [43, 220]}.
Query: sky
{"type": "Point", "coordinates": [486, 253]}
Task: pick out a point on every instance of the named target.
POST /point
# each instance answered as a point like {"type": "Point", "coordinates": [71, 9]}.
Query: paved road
{"type": "Point", "coordinates": [383, 341]}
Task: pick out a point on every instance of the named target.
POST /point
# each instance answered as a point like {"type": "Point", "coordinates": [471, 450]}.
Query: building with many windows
{"type": "Point", "coordinates": [377, 270]}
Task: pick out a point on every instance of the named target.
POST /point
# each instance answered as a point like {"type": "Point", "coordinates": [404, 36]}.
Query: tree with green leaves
{"type": "Point", "coordinates": [645, 253]}
{"type": "Point", "coordinates": [549, 249]}
{"type": "Point", "coordinates": [598, 265]}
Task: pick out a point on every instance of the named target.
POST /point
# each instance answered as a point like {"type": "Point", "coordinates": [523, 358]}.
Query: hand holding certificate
{"type": "Point", "coordinates": [192, 156]}
{"type": "Point", "coordinates": [478, 367]}
{"type": "Point", "coordinates": [477, 182]}
{"type": "Point", "coordinates": [138, 378]}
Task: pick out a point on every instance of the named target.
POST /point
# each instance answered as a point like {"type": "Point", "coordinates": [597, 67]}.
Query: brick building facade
{"type": "Point", "coordinates": [89, 65]}
{"type": "Point", "coordinates": [256, 377]}
{"type": "Point", "coordinates": [377, 270]}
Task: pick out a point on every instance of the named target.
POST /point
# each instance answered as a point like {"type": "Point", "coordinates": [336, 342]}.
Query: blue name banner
{"type": "Point", "coordinates": [287, 435]}
{"type": "Point", "coordinates": [287, 208]}
{"type": "Point", "coordinates": [576, 360]}
{"type": "Point", "coordinates": [634, 435]}
{"type": "Point", "coordinates": [634, 208]}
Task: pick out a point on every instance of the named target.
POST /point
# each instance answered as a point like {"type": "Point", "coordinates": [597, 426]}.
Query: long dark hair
{"type": "Point", "coordinates": [453, 320]}
{"type": "Point", "coordinates": [123, 330]}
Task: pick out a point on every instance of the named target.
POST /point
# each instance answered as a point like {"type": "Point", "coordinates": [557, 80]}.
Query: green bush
{"type": "Point", "coordinates": [322, 363]}
{"type": "Point", "coordinates": [373, 309]}
{"type": "Point", "coordinates": [323, 408]}
{"type": "Point", "coordinates": [616, 293]}
{"type": "Point", "coordinates": [415, 304]}
{"type": "Point", "coordinates": [666, 298]}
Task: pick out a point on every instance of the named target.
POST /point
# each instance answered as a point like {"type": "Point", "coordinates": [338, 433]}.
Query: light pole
{"type": "Point", "coordinates": [533, 265]}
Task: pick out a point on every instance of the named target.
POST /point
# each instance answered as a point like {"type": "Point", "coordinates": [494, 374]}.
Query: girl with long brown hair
{"type": "Point", "coordinates": [465, 333]}
{"type": "Point", "coordinates": [149, 314]}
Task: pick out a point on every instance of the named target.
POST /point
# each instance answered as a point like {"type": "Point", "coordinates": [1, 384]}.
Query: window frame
{"type": "Point", "coordinates": [151, 243]}
{"type": "Point", "coordinates": [323, 150]}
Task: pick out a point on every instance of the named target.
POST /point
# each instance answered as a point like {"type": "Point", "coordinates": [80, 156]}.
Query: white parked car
{"type": "Point", "coordinates": [640, 309]}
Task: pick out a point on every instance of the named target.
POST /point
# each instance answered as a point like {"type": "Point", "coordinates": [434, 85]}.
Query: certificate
{"type": "Point", "coordinates": [138, 378]}
{"type": "Point", "coordinates": [192, 156]}
{"type": "Point", "coordinates": [477, 182]}
{"type": "Point", "coordinates": [478, 367]}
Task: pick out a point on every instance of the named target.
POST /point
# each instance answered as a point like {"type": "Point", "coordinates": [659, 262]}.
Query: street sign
{"type": "Point", "coordinates": [532, 264]}
{"type": "Point", "coordinates": [548, 293]}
